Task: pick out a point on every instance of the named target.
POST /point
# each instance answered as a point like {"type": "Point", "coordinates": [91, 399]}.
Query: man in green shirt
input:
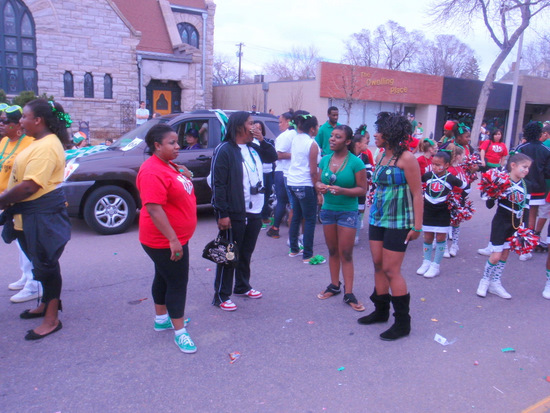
{"type": "Point", "coordinates": [326, 130]}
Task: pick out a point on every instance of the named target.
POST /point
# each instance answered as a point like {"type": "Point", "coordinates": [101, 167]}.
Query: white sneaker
{"type": "Point", "coordinates": [483, 287]}
{"type": "Point", "coordinates": [25, 295]}
{"type": "Point", "coordinates": [446, 254]}
{"type": "Point", "coordinates": [496, 288]}
{"type": "Point", "coordinates": [485, 251]}
{"type": "Point", "coordinates": [453, 250]}
{"type": "Point", "coordinates": [525, 257]}
{"type": "Point", "coordinates": [18, 285]}
{"type": "Point", "coordinates": [546, 292]}
{"type": "Point", "coordinates": [424, 267]}
{"type": "Point", "coordinates": [433, 271]}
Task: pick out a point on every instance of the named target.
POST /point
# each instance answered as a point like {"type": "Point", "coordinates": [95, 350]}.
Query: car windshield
{"type": "Point", "coordinates": [138, 133]}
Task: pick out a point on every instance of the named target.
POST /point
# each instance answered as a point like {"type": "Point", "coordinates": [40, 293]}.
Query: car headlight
{"type": "Point", "coordinates": [70, 167]}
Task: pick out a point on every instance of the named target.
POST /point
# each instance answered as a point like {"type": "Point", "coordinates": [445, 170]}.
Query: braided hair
{"type": "Point", "coordinates": [395, 129]}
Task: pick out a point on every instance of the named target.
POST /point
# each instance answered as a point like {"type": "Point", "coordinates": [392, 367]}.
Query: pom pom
{"type": "Point", "coordinates": [461, 210]}
{"type": "Point", "coordinates": [470, 165]}
{"type": "Point", "coordinates": [495, 184]}
{"type": "Point", "coordinates": [523, 241]}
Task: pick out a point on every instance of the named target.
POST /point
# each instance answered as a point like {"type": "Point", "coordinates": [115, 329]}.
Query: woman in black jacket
{"type": "Point", "coordinates": [237, 197]}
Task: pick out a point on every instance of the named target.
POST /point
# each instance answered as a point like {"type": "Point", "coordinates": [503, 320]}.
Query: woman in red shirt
{"type": "Point", "coordinates": [493, 151]}
{"type": "Point", "coordinates": [167, 221]}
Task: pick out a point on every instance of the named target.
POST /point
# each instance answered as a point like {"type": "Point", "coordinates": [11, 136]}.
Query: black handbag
{"type": "Point", "coordinates": [222, 251]}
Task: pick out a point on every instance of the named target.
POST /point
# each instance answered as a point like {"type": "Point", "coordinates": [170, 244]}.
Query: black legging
{"type": "Point", "coordinates": [45, 271]}
{"type": "Point", "coordinates": [170, 282]}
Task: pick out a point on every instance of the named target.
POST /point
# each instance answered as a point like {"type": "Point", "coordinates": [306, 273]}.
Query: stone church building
{"type": "Point", "coordinates": [100, 58]}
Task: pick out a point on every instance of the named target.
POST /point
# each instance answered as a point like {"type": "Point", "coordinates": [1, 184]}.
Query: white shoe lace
{"type": "Point", "coordinates": [184, 339]}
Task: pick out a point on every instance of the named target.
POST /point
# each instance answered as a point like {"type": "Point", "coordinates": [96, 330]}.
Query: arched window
{"type": "Point", "coordinates": [107, 87]}
{"type": "Point", "coordinates": [68, 84]}
{"type": "Point", "coordinates": [189, 34]}
{"type": "Point", "coordinates": [17, 48]}
{"type": "Point", "coordinates": [88, 85]}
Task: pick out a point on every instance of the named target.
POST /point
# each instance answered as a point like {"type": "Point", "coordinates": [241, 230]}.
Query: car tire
{"type": "Point", "coordinates": [110, 210]}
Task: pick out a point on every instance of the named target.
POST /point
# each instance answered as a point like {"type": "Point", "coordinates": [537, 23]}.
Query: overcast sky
{"type": "Point", "coordinates": [270, 28]}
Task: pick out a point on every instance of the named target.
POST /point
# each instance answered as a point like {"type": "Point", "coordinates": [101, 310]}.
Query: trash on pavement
{"type": "Point", "coordinates": [134, 302]}
{"type": "Point", "coordinates": [508, 350]}
{"type": "Point", "coordinates": [341, 368]}
{"type": "Point", "coordinates": [435, 320]}
{"type": "Point", "coordinates": [234, 356]}
{"type": "Point", "coordinates": [443, 341]}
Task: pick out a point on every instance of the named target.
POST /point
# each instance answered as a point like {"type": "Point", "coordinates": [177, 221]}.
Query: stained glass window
{"type": "Point", "coordinates": [68, 85]}
{"type": "Point", "coordinates": [189, 34]}
{"type": "Point", "coordinates": [107, 87]}
{"type": "Point", "coordinates": [88, 85]}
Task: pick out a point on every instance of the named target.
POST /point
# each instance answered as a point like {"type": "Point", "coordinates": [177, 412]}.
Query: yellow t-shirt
{"type": "Point", "coordinates": [43, 162]}
{"type": "Point", "coordinates": [8, 151]}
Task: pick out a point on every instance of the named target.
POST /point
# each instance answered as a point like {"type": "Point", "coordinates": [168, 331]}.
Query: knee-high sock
{"type": "Point", "coordinates": [548, 275]}
{"type": "Point", "coordinates": [456, 233]}
{"type": "Point", "coordinates": [498, 271]}
{"type": "Point", "coordinates": [428, 248]}
{"type": "Point", "coordinates": [489, 270]}
{"type": "Point", "coordinates": [439, 251]}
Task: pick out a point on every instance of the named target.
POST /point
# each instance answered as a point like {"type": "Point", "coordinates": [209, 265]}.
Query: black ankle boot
{"type": "Point", "coordinates": [381, 311]}
{"type": "Point", "coordinates": [402, 325]}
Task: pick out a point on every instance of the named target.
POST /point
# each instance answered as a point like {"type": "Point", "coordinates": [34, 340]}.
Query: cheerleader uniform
{"type": "Point", "coordinates": [437, 217]}
{"type": "Point", "coordinates": [459, 172]}
{"type": "Point", "coordinates": [511, 212]}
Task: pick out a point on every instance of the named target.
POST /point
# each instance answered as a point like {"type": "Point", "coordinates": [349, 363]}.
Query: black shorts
{"type": "Point", "coordinates": [393, 239]}
{"type": "Point", "coordinates": [502, 227]}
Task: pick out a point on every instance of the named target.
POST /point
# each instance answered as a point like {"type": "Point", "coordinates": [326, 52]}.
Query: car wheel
{"type": "Point", "coordinates": [110, 210]}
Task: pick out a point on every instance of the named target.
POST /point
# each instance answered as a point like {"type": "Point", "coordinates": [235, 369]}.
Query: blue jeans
{"type": "Point", "coordinates": [304, 205]}
{"type": "Point", "coordinates": [282, 198]}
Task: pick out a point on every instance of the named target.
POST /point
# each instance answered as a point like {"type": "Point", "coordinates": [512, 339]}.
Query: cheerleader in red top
{"type": "Point", "coordinates": [457, 170]}
{"type": "Point", "coordinates": [429, 148]}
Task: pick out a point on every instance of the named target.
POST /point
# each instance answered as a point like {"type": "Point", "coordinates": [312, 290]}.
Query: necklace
{"type": "Point", "coordinates": [442, 180]}
{"type": "Point", "coordinates": [520, 204]}
{"type": "Point", "coordinates": [332, 176]}
{"type": "Point", "coordinates": [2, 159]}
{"type": "Point", "coordinates": [379, 167]}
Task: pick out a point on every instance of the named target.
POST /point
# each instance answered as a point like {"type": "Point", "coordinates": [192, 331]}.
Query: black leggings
{"type": "Point", "coordinates": [170, 282]}
{"type": "Point", "coordinates": [47, 272]}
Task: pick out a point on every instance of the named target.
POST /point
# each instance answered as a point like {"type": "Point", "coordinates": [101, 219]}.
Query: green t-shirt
{"type": "Point", "coordinates": [345, 179]}
{"type": "Point", "coordinates": [323, 136]}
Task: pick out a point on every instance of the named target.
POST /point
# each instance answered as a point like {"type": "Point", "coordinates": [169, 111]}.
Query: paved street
{"type": "Point", "coordinates": [299, 354]}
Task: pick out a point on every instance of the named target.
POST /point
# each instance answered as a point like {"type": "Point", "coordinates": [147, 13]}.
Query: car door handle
{"type": "Point", "coordinates": [204, 158]}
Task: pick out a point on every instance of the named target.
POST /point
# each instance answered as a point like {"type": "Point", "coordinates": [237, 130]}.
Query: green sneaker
{"type": "Point", "coordinates": [184, 342]}
{"type": "Point", "coordinates": [167, 325]}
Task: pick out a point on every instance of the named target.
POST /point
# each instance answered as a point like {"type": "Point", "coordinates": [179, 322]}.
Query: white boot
{"type": "Point", "coordinates": [433, 271]}
{"type": "Point", "coordinates": [424, 267]}
{"type": "Point", "coordinates": [485, 251]}
{"type": "Point", "coordinates": [546, 292]}
{"type": "Point", "coordinates": [17, 285]}
{"type": "Point", "coordinates": [446, 254]}
{"type": "Point", "coordinates": [453, 250]}
{"type": "Point", "coordinates": [496, 288]}
{"type": "Point", "coordinates": [483, 287]}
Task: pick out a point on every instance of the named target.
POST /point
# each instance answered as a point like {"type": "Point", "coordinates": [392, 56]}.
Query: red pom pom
{"type": "Point", "coordinates": [523, 241]}
{"type": "Point", "coordinates": [495, 184]}
{"type": "Point", "coordinates": [461, 210]}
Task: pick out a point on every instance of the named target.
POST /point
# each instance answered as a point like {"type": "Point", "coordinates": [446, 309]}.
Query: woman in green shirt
{"type": "Point", "coordinates": [342, 180]}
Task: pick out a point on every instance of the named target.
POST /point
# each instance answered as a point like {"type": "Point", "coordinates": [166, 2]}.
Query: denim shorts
{"type": "Point", "coordinates": [346, 219]}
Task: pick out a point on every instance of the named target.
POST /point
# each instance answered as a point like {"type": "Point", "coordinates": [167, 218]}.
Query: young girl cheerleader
{"type": "Point", "coordinates": [429, 148]}
{"type": "Point", "coordinates": [360, 149]}
{"type": "Point", "coordinates": [457, 158]}
{"type": "Point", "coordinates": [437, 217]}
{"type": "Point", "coordinates": [510, 215]}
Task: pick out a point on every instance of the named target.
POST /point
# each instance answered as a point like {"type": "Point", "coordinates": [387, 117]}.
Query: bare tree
{"type": "Point", "coordinates": [448, 56]}
{"type": "Point", "coordinates": [390, 46]}
{"type": "Point", "coordinates": [362, 50]}
{"type": "Point", "coordinates": [505, 20]}
{"type": "Point", "coordinates": [300, 63]}
{"type": "Point", "coordinates": [296, 97]}
{"type": "Point", "coordinates": [348, 87]}
{"type": "Point", "coordinates": [536, 56]}
{"type": "Point", "coordinates": [225, 71]}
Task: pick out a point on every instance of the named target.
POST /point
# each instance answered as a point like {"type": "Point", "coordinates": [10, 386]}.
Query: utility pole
{"type": "Point", "coordinates": [240, 55]}
{"type": "Point", "coordinates": [512, 110]}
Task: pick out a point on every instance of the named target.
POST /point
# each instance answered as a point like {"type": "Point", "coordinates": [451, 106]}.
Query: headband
{"type": "Point", "coordinates": [431, 141]}
{"type": "Point", "coordinates": [462, 128]}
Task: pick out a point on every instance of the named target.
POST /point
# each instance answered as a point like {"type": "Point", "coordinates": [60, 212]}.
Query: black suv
{"type": "Point", "coordinates": [101, 187]}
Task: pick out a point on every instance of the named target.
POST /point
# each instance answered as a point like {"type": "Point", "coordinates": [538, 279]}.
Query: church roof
{"type": "Point", "coordinates": [146, 17]}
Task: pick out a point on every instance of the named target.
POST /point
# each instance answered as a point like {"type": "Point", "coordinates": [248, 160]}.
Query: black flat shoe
{"type": "Point", "coordinates": [31, 335]}
{"type": "Point", "coordinates": [27, 315]}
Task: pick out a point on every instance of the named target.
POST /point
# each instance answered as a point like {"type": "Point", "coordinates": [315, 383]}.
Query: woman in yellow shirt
{"type": "Point", "coordinates": [37, 206]}
{"type": "Point", "coordinates": [14, 141]}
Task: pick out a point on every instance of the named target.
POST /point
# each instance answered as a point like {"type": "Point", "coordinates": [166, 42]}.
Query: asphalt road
{"type": "Point", "coordinates": [299, 354]}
